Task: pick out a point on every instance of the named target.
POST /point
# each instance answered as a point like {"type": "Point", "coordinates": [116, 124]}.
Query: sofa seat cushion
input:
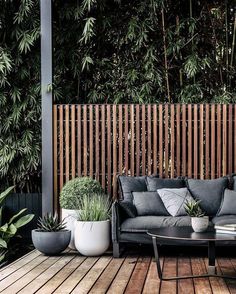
{"type": "Point", "coordinates": [131, 184]}
{"type": "Point", "coordinates": [210, 192]}
{"type": "Point", "coordinates": [224, 219]}
{"type": "Point", "coordinates": [143, 223]}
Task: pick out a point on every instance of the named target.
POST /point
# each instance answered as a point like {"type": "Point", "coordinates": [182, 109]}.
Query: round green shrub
{"type": "Point", "coordinates": [73, 191]}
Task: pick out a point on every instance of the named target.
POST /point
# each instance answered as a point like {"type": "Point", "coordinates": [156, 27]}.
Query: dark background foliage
{"type": "Point", "coordinates": [109, 52]}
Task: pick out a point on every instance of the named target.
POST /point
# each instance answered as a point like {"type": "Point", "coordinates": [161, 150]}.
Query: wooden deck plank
{"type": "Point", "coordinates": [69, 284]}
{"type": "Point", "coordinates": [201, 285]}
{"type": "Point", "coordinates": [62, 275]}
{"type": "Point", "coordinates": [169, 269]}
{"type": "Point", "coordinates": [122, 278]}
{"type": "Point", "coordinates": [41, 262]}
{"type": "Point", "coordinates": [138, 276]}
{"type": "Point", "coordinates": [218, 286]}
{"type": "Point", "coordinates": [152, 283]}
{"type": "Point", "coordinates": [106, 278]}
{"type": "Point", "coordinates": [46, 275]}
{"type": "Point", "coordinates": [227, 268]}
{"type": "Point", "coordinates": [12, 267]}
{"type": "Point", "coordinates": [184, 269]}
{"type": "Point", "coordinates": [91, 277]}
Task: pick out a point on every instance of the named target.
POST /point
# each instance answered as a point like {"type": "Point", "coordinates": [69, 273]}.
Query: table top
{"type": "Point", "coordinates": [187, 233]}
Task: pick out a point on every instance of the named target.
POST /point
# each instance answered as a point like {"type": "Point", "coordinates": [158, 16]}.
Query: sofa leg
{"type": "Point", "coordinates": [116, 250]}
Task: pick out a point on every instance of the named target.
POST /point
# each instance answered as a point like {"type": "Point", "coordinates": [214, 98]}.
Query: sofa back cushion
{"type": "Point", "coordinates": [149, 203]}
{"type": "Point", "coordinates": [228, 205]}
{"type": "Point", "coordinates": [129, 184]}
{"type": "Point", "coordinates": [128, 208]}
{"type": "Point", "coordinates": [210, 192]}
{"type": "Point", "coordinates": [158, 183]}
{"type": "Point", "coordinates": [174, 200]}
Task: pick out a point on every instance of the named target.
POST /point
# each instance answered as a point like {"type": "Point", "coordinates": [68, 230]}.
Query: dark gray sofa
{"type": "Point", "coordinates": [130, 223]}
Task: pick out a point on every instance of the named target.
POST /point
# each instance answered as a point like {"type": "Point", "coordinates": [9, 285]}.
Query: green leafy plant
{"type": "Point", "coordinates": [74, 190]}
{"type": "Point", "coordinates": [50, 223]}
{"type": "Point", "coordinates": [10, 228]}
{"type": "Point", "coordinates": [193, 208]}
{"type": "Point", "coordinates": [95, 208]}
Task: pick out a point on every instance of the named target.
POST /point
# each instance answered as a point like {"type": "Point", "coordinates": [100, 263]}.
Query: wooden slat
{"type": "Point", "coordinates": [172, 141]}
{"type": "Point", "coordinates": [73, 143]}
{"type": "Point", "coordinates": [155, 140]}
{"type": "Point", "coordinates": [97, 148]}
{"type": "Point", "coordinates": [195, 142]}
{"type": "Point", "coordinates": [85, 138]}
{"type": "Point", "coordinates": [114, 165]}
{"type": "Point", "coordinates": [108, 156]}
{"type": "Point", "coordinates": [184, 269]}
{"type": "Point", "coordinates": [230, 139]}
{"type": "Point", "coordinates": [103, 163]}
{"type": "Point", "coordinates": [149, 140]}
{"type": "Point", "coordinates": [184, 142]}
{"type": "Point", "coordinates": [224, 146]}
{"type": "Point", "coordinates": [79, 142]}
{"type": "Point", "coordinates": [137, 116]}
{"type": "Point", "coordinates": [207, 142]}
{"type": "Point", "coordinates": [169, 269]}
{"type": "Point", "coordinates": [91, 137]}
{"type": "Point", "coordinates": [143, 139]}
{"type": "Point", "coordinates": [132, 140]}
{"type": "Point", "coordinates": [55, 162]}
{"type": "Point", "coordinates": [166, 145]}
{"type": "Point", "coordinates": [161, 140]}
{"type": "Point", "coordinates": [178, 146]}
{"type": "Point", "coordinates": [152, 282]}
{"type": "Point", "coordinates": [120, 139]}
{"type": "Point", "coordinates": [219, 141]}
{"type": "Point", "coordinates": [190, 131]}
{"type": "Point", "coordinates": [61, 151]}
{"type": "Point", "coordinates": [126, 139]}
{"type": "Point", "coordinates": [67, 142]}
{"type": "Point", "coordinates": [200, 284]}
{"type": "Point", "coordinates": [213, 146]}
{"type": "Point", "coordinates": [201, 141]}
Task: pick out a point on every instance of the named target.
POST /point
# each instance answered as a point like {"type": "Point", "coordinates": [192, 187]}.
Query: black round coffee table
{"type": "Point", "coordinates": [187, 234]}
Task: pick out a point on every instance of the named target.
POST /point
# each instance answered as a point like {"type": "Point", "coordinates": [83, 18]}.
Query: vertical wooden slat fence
{"type": "Point", "coordinates": [103, 141]}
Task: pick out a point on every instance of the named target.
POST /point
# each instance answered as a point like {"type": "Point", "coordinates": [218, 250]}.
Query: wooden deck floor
{"type": "Point", "coordinates": [71, 273]}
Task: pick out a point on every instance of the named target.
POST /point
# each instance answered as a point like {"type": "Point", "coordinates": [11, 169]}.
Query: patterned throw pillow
{"type": "Point", "coordinates": [174, 200]}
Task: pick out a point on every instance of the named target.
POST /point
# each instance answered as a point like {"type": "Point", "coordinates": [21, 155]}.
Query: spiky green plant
{"type": "Point", "coordinates": [193, 208]}
{"type": "Point", "coordinates": [51, 223]}
{"type": "Point", "coordinates": [95, 207]}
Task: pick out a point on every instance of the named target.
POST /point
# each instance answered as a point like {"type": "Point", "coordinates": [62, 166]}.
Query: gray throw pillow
{"type": "Point", "coordinates": [158, 183]}
{"type": "Point", "coordinates": [210, 192]}
{"type": "Point", "coordinates": [129, 184]}
{"type": "Point", "coordinates": [149, 203]}
{"type": "Point", "coordinates": [129, 208]}
{"type": "Point", "coordinates": [228, 205]}
{"type": "Point", "coordinates": [174, 200]}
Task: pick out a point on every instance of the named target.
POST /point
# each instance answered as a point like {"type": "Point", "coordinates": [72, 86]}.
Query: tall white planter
{"type": "Point", "coordinates": [70, 216]}
{"type": "Point", "coordinates": [92, 238]}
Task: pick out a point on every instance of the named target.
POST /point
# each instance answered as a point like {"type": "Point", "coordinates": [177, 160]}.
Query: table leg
{"type": "Point", "coordinates": [157, 257]}
{"type": "Point", "coordinates": [211, 258]}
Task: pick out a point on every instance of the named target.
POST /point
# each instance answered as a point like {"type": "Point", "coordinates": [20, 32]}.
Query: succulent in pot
{"type": "Point", "coordinates": [92, 233]}
{"type": "Point", "coordinates": [70, 198]}
{"type": "Point", "coordinates": [199, 221]}
{"type": "Point", "coordinates": [51, 237]}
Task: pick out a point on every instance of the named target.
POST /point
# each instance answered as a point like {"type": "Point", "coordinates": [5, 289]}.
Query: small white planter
{"type": "Point", "coordinates": [92, 238]}
{"type": "Point", "coordinates": [70, 216]}
{"type": "Point", "coordinates": [200, 224]}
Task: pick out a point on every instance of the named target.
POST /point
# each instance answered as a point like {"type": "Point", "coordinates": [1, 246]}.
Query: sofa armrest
{"type": "Point", "coordinates": [118, 217]}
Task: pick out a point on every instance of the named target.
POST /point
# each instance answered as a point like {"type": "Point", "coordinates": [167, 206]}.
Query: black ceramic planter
{"type": "Point", "coordinates": [51, 243]}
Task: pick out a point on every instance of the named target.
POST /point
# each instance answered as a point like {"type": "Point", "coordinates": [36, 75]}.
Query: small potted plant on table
{"type": "Point", "coordinates": [199, 221]}
{"type": "Point", "coordinates": [51, 236]}
{"type": "Point", "coordinates": [70, 197]}
{"type": "Point", "coordinates": [92, 233]}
